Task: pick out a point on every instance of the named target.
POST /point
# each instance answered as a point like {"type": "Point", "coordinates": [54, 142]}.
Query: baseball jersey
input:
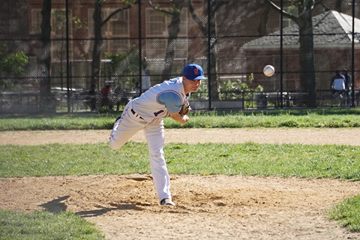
{"type": "Point", "coordinates": [159, 100]}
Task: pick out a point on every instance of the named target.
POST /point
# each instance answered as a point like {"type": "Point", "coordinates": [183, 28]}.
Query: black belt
{"type": "Point", "coordinates": [136, 115]}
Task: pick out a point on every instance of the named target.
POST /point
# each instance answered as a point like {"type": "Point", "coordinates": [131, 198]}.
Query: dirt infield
{"type": "Point", "coordinates": [347, 136]}
{"type": "Point", "coordinates": [211, 207]}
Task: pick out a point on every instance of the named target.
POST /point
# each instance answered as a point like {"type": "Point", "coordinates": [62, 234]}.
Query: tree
{"type": "Point", "coordinates": [173, 30]}
{"type": "Point", "coordinates": [338, 5]}
{"type": "Point", "coordinates": [44, 59]}
{"type": "Point", "coordinates": [306, 39]}
{"type": "Point", "coordinates": [12, 64]}
{"type": "Point", "coordinates": [208, 29]}
{"type": "Point", "coordinates": [99, 22]}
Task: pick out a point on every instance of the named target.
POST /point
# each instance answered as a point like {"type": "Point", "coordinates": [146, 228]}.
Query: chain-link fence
{"type": "Point", "coordinates": [90, 55]}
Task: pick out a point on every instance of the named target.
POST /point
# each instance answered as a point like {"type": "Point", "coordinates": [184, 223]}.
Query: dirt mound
{"type": "Point", "coordinates": [211, 207]}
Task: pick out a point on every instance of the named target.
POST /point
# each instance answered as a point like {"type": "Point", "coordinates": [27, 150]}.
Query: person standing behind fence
{"type": "Point", "coordinates": [348, 86]}
{"type": "Point", "coordinates": [338, 84]}
{"type": "Point", "coordinates": [106, 96]}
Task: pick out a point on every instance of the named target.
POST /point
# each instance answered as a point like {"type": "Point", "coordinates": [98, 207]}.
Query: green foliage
{"type": "Point", "coordinates": [348, 213]}
{"type": "Point", "coordinates": [44, 225]}
{"type": "Point", "coordinates": [239, 89]}
{"type": "Point", "coordinates": [126, 66]}
{"type": "Point", "coordinates": [12, 63]}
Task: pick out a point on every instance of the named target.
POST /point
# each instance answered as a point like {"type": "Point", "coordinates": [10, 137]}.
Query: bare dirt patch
{"type": "Point", "coordinates": [215, 207]}
{"type": "Point", "coordinates": [347, 136]}
{"type": "Point", "coordinates": [211, 207]}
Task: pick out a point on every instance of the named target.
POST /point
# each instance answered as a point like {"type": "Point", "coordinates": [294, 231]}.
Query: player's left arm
{"type": "Point", "coordinates": [173, 103]}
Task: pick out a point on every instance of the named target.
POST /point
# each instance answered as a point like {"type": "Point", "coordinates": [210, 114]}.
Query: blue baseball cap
{"type": "Point", "coordinates": [193, 72]}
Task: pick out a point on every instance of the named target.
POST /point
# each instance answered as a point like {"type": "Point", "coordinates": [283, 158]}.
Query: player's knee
{"type": "Point", "coordinates": [157, 156]}
{"type": "Point", "coordinates": [114, 144]}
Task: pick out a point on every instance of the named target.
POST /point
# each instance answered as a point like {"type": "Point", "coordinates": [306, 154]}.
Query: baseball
{"type": "Point", "coordinates": [269, 70]}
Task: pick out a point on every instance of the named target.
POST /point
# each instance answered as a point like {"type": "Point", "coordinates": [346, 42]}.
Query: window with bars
{"type": "Point", "coordinates": [157, 33]}
{"type": "Point", "coordinates": [116, 31]}
{"type": "Point", "coordinates": [58, 34]}
{"type": "Point", "coordinates": [35, 21]}
{"type": "Point", "coordinates": [58, 30]}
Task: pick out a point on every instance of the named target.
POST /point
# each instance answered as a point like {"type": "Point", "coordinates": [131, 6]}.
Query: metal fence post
{"type": "Point", "coordinates": [208, 53]}
{"type": "Point", "coordinates": [67, 57]}
{"type": "Point", "coordinates": [140, 46]}
{"type": "Point", "coordinates": [353, 56]}
{"type": "Point", "coordinates": [281, 52]}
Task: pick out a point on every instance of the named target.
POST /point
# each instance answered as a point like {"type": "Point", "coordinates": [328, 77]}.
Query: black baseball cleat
{"type": "Point", "coordinates": [167, 202]}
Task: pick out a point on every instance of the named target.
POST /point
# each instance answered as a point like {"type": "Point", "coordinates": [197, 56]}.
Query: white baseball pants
{"type": "Point", "coordinates": [127, 126]}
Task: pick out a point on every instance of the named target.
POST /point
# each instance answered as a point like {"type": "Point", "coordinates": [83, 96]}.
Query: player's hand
{"type": "Point", "coordinates": [185, 118]}
{"type": "Point", "coordinates": [182, 119]}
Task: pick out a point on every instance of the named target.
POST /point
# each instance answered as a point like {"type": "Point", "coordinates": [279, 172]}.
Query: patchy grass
{"type": "Point", "coordinates": [348, 213]}
{"type": "Point", "coordinates": [45, 225]}
{"type": "Point", "coordinates": [310, 161]}
{"type": "Point", "coordinates": [330, 118]}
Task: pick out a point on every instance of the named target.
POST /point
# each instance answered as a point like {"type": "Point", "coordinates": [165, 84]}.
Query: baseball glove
{"type": "Point", "coordinates": [185, 109]}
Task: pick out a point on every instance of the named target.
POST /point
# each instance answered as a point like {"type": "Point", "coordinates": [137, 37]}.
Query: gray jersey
{"type": "Point", "coordinates": [150, 105]}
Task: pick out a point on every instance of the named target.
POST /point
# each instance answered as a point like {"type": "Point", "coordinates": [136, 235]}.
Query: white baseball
{"type": "Point", "coordinates": [269, 70]}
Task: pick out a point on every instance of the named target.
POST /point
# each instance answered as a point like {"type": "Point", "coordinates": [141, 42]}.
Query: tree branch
{"type": "Point", "coordinates": [128, 5]}
{"type": "Point", "coordinates": [286, 14]}
{"type": "Point", "coordinates": [196, 18]}
{"type": "Point", "coordinates": [217, 5]}
{"type": "Point", "coordinates": [157, 8]}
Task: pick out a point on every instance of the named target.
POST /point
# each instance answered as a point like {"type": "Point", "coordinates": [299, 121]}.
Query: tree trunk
{"type": "Point", "coordinates": [214, 85]}
{"type": "Point", "coordinates": [307, 74]}
{"type": "Point", "coordinates": [98, 42]}
{"type": "Point", "coordinates": [209, 31]}
{"type": "Point", "coordinates": [338, 5]}
{"type": "Point", "coordinates": [264, 18]}
{"type": "Point", "coordinates": [44, 60]}
{"type": "Point", "coordinates": [173, 29]}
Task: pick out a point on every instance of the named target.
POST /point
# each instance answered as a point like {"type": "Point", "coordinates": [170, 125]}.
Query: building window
{"type": "Point", "coordinates": [117, 28]}
{"type": "Point", "coordinates": [116, 31]}
{"type": "Point", "coordinates": [58, 34]}
{"type": "Point", "coordinates": [157, 33]}
{"type": "Point", "coordinates": [35, 21]}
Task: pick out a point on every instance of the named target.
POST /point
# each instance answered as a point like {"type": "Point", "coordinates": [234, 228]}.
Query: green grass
{"type": "Point", "coordinates": [329, 118]}
{"type": "Point", "coordinates": [310, 161]}
{"type": "Point", "coordinates": [44, 226]}
{"type": "Point", "coordinates": [348, 213]}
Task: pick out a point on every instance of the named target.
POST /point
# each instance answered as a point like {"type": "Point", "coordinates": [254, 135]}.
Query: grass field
{"type": "Point", "coordinates": [249, 159]}
{"type": "Point", "coordinates": [329, 118]}
{"type": "Point", "coordinates": [295, 160]}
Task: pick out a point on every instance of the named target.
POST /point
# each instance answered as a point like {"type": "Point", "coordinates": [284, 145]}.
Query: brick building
{"type": "Point", "coordinates": [245, 39]}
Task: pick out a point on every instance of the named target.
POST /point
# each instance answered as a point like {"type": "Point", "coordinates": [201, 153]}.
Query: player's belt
{"type": "Point", "coordinates": [136, 115]}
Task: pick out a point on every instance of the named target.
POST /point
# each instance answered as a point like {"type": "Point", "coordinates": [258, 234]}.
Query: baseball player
{"type": "Point", "coordinates": [167, 99]}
